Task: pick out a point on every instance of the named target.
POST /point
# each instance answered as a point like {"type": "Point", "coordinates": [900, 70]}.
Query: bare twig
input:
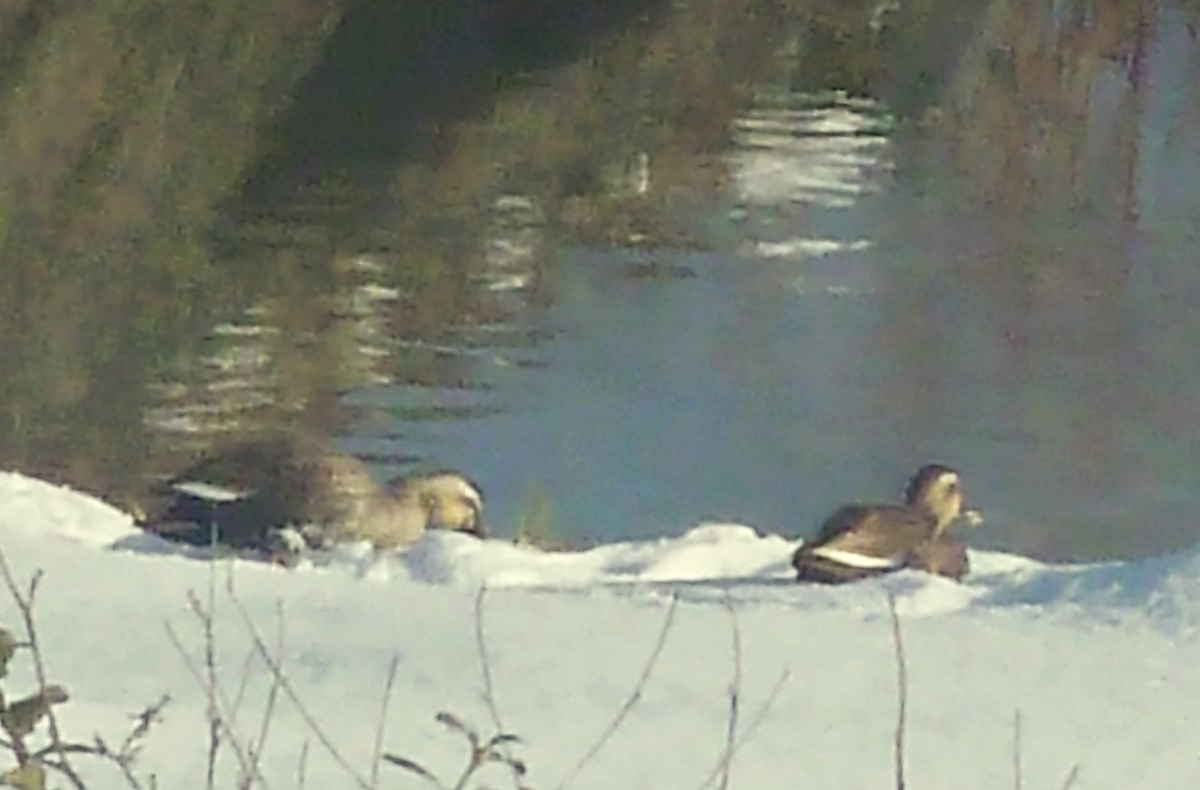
{"type": "Point", "coordinates": [1016, 755]}
{"type": "Point", "coordinates": [479, 754]}
{"type": "Point", "coordinates": [210, 663]}
{"type": "Point", "coordinates": [145, 720]}
{"type": "Point", "coordinates": [285, 684]}
{"type": "Point", "coordinates": [222, 721]}
{"type": "Point", "coordinates": [489, 695]}
{"type": "Point", "coordinates": [1072, 775]}
{"type": "Point", "coordinates": [735, 686]}
{"type": "Point", "coordinates": [256, 750]}
{"type": "Point", "coordinates": [54, 754]}
{"type": "Point", "coordinates": [901, 689]}
{"type": "Point", "coordinates": [633, 699]}
{"type": "Point", "coordinates": [122, 757]}
{"type": "Point", "coordinates": [25, 604]}
{"type": "Point", "coordinates": [243, 686]}
{"type": "Point", "coordinates": [130, 747]}
{"type": "Point", "coordinates": [208, 682]}
{"type": "Point", "coordinates": [760, 716]}
{"type": "Point", "coordinates": [302, 765]}
{"type": "Point", "coordinates": [377, 755]}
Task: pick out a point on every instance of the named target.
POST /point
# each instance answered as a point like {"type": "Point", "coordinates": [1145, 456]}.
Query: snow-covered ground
{"type": "Point", "coordinates": [1099, 660]}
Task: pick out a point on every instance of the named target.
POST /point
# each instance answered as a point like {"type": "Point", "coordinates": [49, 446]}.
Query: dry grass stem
{"type": "Point", "coordinates": [277, 671]}
{"type": "Point", "coordinates": [901, 689]}
{"type": "Point", "coordinates": [268, 714]}
{"type": "Point", "coordinates": [377, 754]}
{"type": "Point", "coordinates": [760, 716]}
{"type": "Point", "coordinates": [735, 688]}
{"type": "Point", "coordinates": [302, 766]}
{"type": "Point", "coordinates": [1072, 775]}
{"type": "Point", "coordinates": [1016, 755]}
{"type": "Point", "coordinates": [480, 753]}
{"type": "Point", "coordinates": [489, 695]}
{"type": "Point", "coordinates": [633, 699]}
{"type": "Point", "coordinates": [208, 682]}
{"type": "Point", "coordinates": [226, 727]}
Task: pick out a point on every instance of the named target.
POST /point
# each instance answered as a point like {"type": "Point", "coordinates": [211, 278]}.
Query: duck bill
{"type": "Point", "coordinates": [477, 527]}
{"type": "Point", "coordinates": [971, 517]}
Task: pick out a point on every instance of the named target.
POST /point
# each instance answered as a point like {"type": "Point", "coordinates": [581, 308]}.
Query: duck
{"type": "Point", "coordinates": [281, 494]}
{"type": "Point", "coordinates": [859, 541]}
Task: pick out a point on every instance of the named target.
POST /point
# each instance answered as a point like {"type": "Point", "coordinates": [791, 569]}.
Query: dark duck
{"type": "Point", "coordinates": [285, 493]}
{"type": "Point", "coordinates": [863, 540]}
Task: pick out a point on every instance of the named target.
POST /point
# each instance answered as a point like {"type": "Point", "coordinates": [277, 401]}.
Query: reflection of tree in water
{"type": "Point", "coordinates": [1045, 123]}
{"type": "Point", "coordinates": [436, 264]}
{"type": "Point", "coordinates": [328, 290]}
{"type": "Point", "coordinates": [1026, 118]}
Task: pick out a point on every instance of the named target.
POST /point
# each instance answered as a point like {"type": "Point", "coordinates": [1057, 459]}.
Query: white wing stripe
{"type": "Point", "coordinates": [855, 560]}
{"type": "Point", "coordinates": [210, 492]}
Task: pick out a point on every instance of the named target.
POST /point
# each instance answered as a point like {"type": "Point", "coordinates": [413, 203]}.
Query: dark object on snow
{"type": "Point", "coordinates": [257, 493]}
{"type": "Point", "coordinates": [859, 541]}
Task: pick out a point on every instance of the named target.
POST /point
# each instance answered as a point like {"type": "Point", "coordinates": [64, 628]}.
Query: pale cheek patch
{"type": "Point", "coordinates": [467, 491]}
{"type": "Point", "coordinates": [948, 479]}
{"type": "Point", "coordinates": [210, 492]}
{"type": "Point", "coordinates": [855, 560]}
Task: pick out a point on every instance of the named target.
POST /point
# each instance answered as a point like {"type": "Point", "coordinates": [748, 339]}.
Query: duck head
{"type": "Point", "coordinates": [449, 500]}
{"type": "Point", "coordinates": [937, 490]}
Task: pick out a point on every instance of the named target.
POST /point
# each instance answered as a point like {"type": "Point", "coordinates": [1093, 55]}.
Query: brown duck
{"type": "Point", "coordinates": [270, 493]}
{"type": "Point", "coordinates": [859, 541]}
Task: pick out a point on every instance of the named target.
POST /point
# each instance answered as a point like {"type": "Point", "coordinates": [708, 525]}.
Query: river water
{"type": "Point", "coordinates": [873, 313]}
{"type": "Point", "coordinates": [1007, 283]}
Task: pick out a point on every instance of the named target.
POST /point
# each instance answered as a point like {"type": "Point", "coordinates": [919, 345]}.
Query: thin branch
{"type": "Point", "coordinates": [302, 765]}
{"type": "Point", "coordinates": [65, 769]}
{"type": "Point", "coordinates": [207, 678]}
{"type": "Point", "coordinates": [268, 715]}
{"type": "Point", "coordinates": [901, 689]}
{"type": "Point", "coordinates": [286, 685]}
{"type": "Point", "coordinates": [760, 716]}
{"type": "Point", "coordinates": [243, 686]}
{"type": "Point", "coordinates": [226, 727]}
{"type": "Point", "coordinates": [377, 755]}
{"type": "Point", "coordinates": [735, 686]}
{"type": "Point", "coordinates": [130, 747]}
{"type": "Point", "coordinates": [634, 697]}
{"type": "Point", "coordinates": [489, 695]}
{"type": "Point", "coordinates": [1016, 755]}
{"type": "Point", "coordinates": [25, 604]}
{"type": "Point", "coordinates": [57, 747]}
{"type": "Point", "coordinates": [1071, 777]}
{"type": "Point", "coordinates": [481, 643]}
{"type": "Point", "coordinates": [210, 662]}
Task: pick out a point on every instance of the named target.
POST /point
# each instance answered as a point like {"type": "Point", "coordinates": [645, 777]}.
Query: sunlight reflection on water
{"type": "Point", "coordinates": [864, 326]}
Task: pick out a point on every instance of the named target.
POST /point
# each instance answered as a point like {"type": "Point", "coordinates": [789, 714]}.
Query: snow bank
{"type": "Point", "coordinates": [1098, 658]}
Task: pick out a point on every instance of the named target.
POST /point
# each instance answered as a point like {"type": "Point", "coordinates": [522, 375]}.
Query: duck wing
{"type": "Point", "coordinates": [249, 488]}
{"type": "Point", "coordinates": [858, 541]}
{"type": "Point", "coordinates": [873, 530]}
